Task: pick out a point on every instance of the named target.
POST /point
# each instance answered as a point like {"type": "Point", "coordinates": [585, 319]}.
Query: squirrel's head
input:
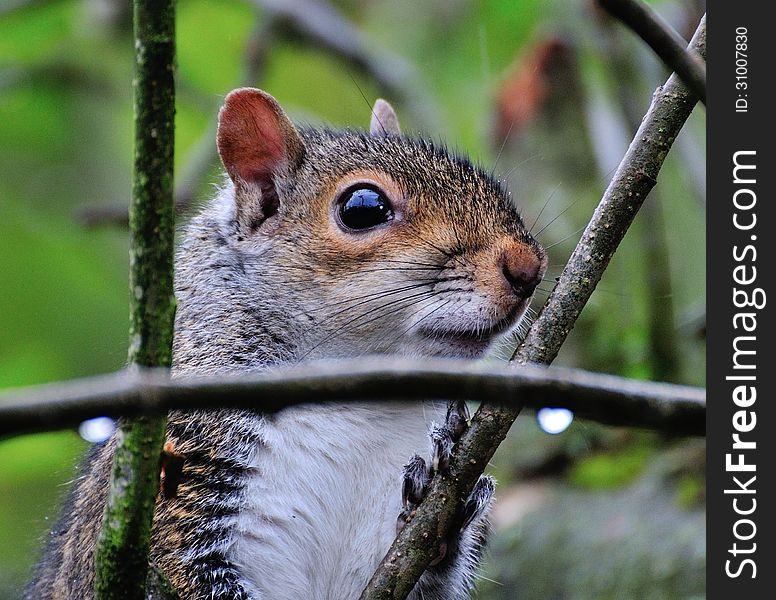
{"type": "Point", "coordinates": [372, 243]}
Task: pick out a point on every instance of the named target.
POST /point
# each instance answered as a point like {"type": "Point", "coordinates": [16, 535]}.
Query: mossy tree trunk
{"type": "Point", "coordinates": [122, 550]}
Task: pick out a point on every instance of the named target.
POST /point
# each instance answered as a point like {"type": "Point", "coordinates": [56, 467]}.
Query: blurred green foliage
{"type": "Point", "coordinates": [66, 143]}
{"type": "Point", "coordinates": [611, 469]}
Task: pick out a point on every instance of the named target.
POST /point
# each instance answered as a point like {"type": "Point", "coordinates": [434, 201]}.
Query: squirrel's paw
{"type": "Point", "coordinates": [452, 571]}
{"type": "Point", "coordinates": [451, 574]}
{"type": "Point", "coordinates": [479, 502]}
{"type": "Point", "coordinates": [443, 437]}
{"type": "Point", "coordinates": [416, 474]}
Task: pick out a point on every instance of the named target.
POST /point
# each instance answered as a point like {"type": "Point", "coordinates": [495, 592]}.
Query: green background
{"type": "Point", "coordinates": [591, 513]}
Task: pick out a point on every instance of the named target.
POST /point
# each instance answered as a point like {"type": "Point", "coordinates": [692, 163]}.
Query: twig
{"type": "Point", "coordinates": [319, 23]}
{"type": "Point", "coordinates": [665, 360]}
{"type": "Point", "coordinates": [418, 542]}
{"type": "Point", "coordinates": [121, 554]}
{"type": "Point", "coordinates": [692, 151]}
{"type": "Point", "coordinates": [637, 174]}
{"type": "Point", "coordinates": [58, 73]}
{"type": "Point", "coordinates": [663, 39]}
{"type": "Point", "coordinates": [311, 22]}
{"type": "Point", "coordinates": [204, 154]}
{"type": "Point", "coordinates": [615, 400]}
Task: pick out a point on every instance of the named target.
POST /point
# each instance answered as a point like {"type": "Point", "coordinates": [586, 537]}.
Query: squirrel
{"type": "Point", "coordinates": [321, 243]}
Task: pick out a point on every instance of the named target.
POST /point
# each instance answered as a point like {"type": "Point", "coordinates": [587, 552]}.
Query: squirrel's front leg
{"type": "Point", "coordinates": [451, 575]}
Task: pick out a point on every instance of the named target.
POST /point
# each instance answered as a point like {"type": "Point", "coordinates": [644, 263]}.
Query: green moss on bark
{"type": "Point", "coordinates": [122, 549]}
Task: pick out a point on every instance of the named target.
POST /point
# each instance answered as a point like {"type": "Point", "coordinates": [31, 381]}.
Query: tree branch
{"type": "Point", "coordinates": [636, 175]}
{"type": "Point", "coordinates": [203, 155]}
{"type": "Point", "coordinates": [665, 356]}
{"type": "Point", "coordinates": [614, 400]}
{"type": "Point", "coordinates": [121, 554]}
{"type": "Point", "coordinates": [318, 24]}
{"type": "Point", "coordinates": [321, 24]}
{"type": "Point", "coordinates": [418, 542]}
{"type": "Point", "coordinates": [664, 40]}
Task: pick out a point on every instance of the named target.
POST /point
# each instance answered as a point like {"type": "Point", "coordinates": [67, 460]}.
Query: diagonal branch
{"type": "Point", "coordinates": [664, 40]}
{"type": "Point", "coordinates": [419, 541]}
{"type": "Point", "coordinates": [614, 400]}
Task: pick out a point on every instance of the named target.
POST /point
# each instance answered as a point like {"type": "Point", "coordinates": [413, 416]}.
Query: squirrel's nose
{"type": "Point", "coordinates": [522, 272]}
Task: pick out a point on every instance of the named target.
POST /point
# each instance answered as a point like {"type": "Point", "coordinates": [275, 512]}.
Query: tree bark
{"type": "Point", "coordinates": [122, 549]}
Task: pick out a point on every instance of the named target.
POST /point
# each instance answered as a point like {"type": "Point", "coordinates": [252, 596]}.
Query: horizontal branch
{"type": "Point", "coordinates": [664, 41]}
{"type": "Point", "coordinates": [605, 398]}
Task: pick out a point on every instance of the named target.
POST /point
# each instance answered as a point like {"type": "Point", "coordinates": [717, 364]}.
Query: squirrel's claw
{"type": "Point", "coordinates": [457, 418]}
{"type": "Point", "coordinates": [480, 500]}
{"type": "Point", "coordinates": [444, 437]}
{"type": "Point", "coordinates": [415, 477]}
{"type": "Point", "coordinates": [442, 443]}
{"type": "Point", "coordinates": [459, 554]}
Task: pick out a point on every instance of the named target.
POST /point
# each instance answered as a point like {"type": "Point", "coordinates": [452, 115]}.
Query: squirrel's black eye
{"type": "Point", "coordinates": [364, 208]}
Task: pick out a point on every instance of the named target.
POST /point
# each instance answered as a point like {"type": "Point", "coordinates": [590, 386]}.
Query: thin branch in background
{"type": "Point", "coordinates": [692, 151]}
{"type": "Point", "coordinates": [10, 6]}
{"type": "Point", "coordinates": [665, 359]}
{"type": "Point", "coordinates": [58, 73]}
{"type": "Point", "coordinates": [419, 541]}
{"type": "Point", "coordinates": [669, 408]}
{"type": "Point", "coordinates": [663, 39]}
{"type": "Point", "coordinates": [637, 174]}
{"type": "Point", "coordinates": [693, 323]}
{"type": "Point", "coordinates": [121, 553]}
{"type": "Point", "coordinates": [324, 27]}
{"type": "Point", "coordinates": [321, 26]}
{"type": "Point", "coordinates": [203, 155]}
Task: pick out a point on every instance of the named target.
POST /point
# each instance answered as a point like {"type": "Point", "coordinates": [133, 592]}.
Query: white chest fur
{"type": "Point", "coordinates": [323, 497]}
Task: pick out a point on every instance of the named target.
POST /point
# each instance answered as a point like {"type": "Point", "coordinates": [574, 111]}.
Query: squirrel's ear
{"type": "Point", "coordinates": [257, 142]}
{"type": "Point", "coordinates": [256, 139]}
{"type": "Point", "coordinates": [384, 120]}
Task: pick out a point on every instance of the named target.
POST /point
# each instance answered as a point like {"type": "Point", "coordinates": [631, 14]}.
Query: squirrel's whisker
{"type": "Point", "coordinates": [572, 234]}
{"type": "Point", "coordinates": [520, 164]}
{"type": "Point", "coordinates": [546, 202]}
{"type": "Point", "coordinates": [376, 313]}
{"type": "Point", "coordinates": [555, 218]}
{"type": "Point", "coordinates": [409, 262]}
{"type": "Point", "coordinates": [423, 318]}
{"type": "Point", "coordinates": [378, 294]}
{"type": "Point", "coordinates": [398, 269]}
